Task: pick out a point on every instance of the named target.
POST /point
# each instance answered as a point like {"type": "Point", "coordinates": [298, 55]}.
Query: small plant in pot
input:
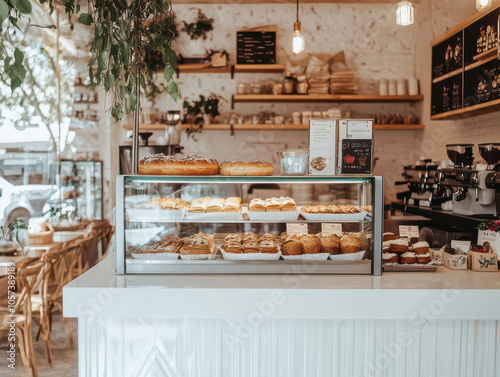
{"type": "Point", "coordinates": [200, 112]}
{"type": "Point", "coordinates": [14, 232]}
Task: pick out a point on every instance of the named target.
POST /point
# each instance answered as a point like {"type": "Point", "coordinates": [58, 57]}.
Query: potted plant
{"type": "Point", "coordinates": [15, 231]}
{"type": "Point", "coordinates": [200, 112]}
{"type": "Point", "coordinates": [197, 32]}
{"type": "Point", "coordinates": [218, 58]}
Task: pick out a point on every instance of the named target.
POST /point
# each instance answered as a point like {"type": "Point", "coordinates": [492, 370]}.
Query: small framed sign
{"type": "Point", "coordinates": [297, 229]}
{"type": "Point", "coordinates": [328, 229]}
{"type": "Point", "coordinates": [409, 231]}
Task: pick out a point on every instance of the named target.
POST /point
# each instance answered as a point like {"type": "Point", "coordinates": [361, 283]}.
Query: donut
{"type": "Point", "coordinates": [240, 168]}
{"type": "Point", "coordinates": [160, 164]}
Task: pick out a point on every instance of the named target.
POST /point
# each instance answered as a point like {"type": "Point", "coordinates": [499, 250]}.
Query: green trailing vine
{"type": "Point", "coordinates": [199, 28]}
{"type": "Point", "coordinates": [124, 34]}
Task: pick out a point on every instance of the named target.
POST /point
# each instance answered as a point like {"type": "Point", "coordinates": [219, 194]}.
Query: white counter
{"type": "Point", "coordinates": [442, 324]}
{"type": "Point", "coordinates": [445, 294]}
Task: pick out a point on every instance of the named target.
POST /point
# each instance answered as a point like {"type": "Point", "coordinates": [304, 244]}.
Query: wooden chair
{"type": "Point", "coordinates": [28, 280]}
{"type": "Point", "coordinates": [41, 303]}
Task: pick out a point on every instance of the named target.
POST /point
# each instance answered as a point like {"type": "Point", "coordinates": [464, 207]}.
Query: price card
{"type": "Point", "coordinates": [328, 229]}
{"type": "Point", "coordinates": [408, 231]}
{"type": "Point", "coordinates": [297, 229]}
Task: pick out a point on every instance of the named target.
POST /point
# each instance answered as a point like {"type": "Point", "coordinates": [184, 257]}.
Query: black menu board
{"type": "Point", "coordinates": [256, 47]}
{"type": "Point", "coordinates": [481, 36]}
{"type": "Point", "coordinates": [356, 156]}
{"type": "Point", "coordinates": [447, 56]}
{"type": "Point", "coordinates": [482, 84]}
{"type": "Point", "coordinates": [447, 95]}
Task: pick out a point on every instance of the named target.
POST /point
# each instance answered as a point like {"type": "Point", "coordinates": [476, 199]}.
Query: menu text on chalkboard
{"type": "Point", "coordinates": [256, 47]}
{"type": "Point", "coordinates": [356, 156]}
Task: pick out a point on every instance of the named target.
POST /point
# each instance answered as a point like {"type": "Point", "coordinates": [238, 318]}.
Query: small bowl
{"type": "Point", "coordinates": [293, 162]}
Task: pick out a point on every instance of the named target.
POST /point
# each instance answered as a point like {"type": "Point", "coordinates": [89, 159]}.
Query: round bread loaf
{"type": "Point", "coordinates": [330, 244]}
{"type": "Point", "coordinates": [292, 246]}
{"type": "Point", "coordinates": [240, 168]}
{"type": "Point", "coordinates": [350, 244]}
{"type": "Point", "coordinates": [160, 164]}
{"type": "Point", "coordinates": [310, 244]}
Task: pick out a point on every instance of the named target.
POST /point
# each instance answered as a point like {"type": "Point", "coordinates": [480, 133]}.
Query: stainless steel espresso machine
{"type": "Point", "coordinates": [473, 186]}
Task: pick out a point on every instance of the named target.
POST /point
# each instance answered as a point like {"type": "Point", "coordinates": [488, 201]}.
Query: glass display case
{"type": "Point", "coordinates": [80, 189]}
{"type": "Point", "coordinates": [254, 225]}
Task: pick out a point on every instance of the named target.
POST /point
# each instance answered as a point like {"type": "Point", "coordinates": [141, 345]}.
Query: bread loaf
{"type": "Point", "coordinates": [240, 168]}
{"type": "Point", "coordinates": [160, 164]}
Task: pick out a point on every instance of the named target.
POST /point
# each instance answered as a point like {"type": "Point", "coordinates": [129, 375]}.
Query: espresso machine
{"type": "Point", "coordinates": [423, 189]}
{"type": "Point", "coordinates": [473, 186]}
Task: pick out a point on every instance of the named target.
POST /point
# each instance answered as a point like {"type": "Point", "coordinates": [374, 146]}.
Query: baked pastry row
{"type": "Point", "coordinates": [273, 204]}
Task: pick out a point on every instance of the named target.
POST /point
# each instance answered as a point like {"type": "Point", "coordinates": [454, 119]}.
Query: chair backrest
{"type": "Point", "coordinates": [74, 251]}
{"type": "Point", "coordinates": [29, 278]}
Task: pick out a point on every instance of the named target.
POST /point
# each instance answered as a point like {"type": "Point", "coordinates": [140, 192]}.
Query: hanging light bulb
{"type": "Point", "coordinates": [405, 14]}
{"type": "Point", "coordinates": [481, 4]}
{"type": "Point", "coordinates": [297, 39]}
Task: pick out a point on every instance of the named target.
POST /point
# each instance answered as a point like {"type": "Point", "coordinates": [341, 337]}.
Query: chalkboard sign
{"type": "Point", "coordinates": [256, 47]}
{"type": "Point", "coordinates": [480, 37]}
{"type": "Point", "coordinates": [447, 95]}
{"type": "Point", "coordinates": [356, 156]}
{"type": "Point", "coordinates": [482, 84]}
{"type": "Point", "coordinates": [447, 56]}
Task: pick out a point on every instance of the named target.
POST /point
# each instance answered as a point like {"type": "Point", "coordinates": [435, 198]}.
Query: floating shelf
{"type": "Point", "coordinates": [481, 62]}
{"type": "Point", "coordinates": [254, 127]}
{"type": "Point", "coordinates": [320, 98]}
{"type": "Point", "coordinates": [257, 68]}
{"type": "Point", "coordinates": [476, 109]}
{"type": "Point", "coordinates": [485, 54]}
{"type": "Point", "coordinates": [201, 68]}
{"type": "Point", "coordinates": [448, 75]}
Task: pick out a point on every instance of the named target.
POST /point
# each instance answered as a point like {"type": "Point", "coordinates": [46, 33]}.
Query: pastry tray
{"type": "Point", "coordinates": [273, 216]}
{"type": "Point", "coordinates": [396, 267]}
{"type": "Point", "coordinates": [146, 214]}
{"type": "Point", "coordinates": [353, 256]}
{"type": "Point", "coordinates": [251, 256]}
{"type": "Point", "coordinates": [213, 216]}
{"type": "Point", "coordinates": [156, 256]}
{"type": "Point", "coordinates": [318, 256]}
{"type": "Point", "coordinates": [334, 216]}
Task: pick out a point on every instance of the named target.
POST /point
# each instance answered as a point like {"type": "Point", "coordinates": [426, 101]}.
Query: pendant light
{"type": "Point", "coordinates": [481, 4]}
{"type": "Point", "coordinates": [405, 14]}
{"type": "Point", "coordinates": [298, 38]}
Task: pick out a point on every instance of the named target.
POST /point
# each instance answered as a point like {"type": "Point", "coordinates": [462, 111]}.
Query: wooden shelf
{"type": "Point", "coordinates": [320, 98]}
{"type": "Point", "coordinates": [146, 127]}
{"type": "Point", "coordinates": [201, 68]}
{"type": "Point", "coordinates": [295, 127]}
{"type": "Point", "coordinates": [257, 68]}
{"type": "Point", "coordinates": [283, 1]}
{"type": "Point", "coordinates": [478, 63]}
{"type": "Point", "coordinates": [477, 109]}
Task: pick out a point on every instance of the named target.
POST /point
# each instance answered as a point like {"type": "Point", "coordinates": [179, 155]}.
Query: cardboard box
{"type": "Point", "coordinates": [483, 262]}
{"type": "Point", "coordinates": [455, 262]}
{"type": "Point", "coordinates": [436, 255]}
{"type": "Point", "coordinates": [355, 150]}
{"type": "Point", "coordinates": [322, 146]}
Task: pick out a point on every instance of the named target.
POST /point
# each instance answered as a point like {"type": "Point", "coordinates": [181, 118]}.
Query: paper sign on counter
{"type": "Point", "coordinates": [409, 231]}
{"type": "Point", "coordinates": [297, 229]}
{"type": "Point", "coordinates": [328, 229]}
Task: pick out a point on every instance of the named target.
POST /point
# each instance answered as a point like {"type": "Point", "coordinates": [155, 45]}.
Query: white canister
{"type": "Point", "coordinates": [297, 117]}
{"type": "Point", "coordinates": [401, 89]}
{"type": "Point", "coordinates": [413, 86]}
{"type": "Point", "coordinates": [306, 117]}
{"type": "Point", "coordinates": [383, 88]}
{"type": "Point", "coordinates": [392, 88]}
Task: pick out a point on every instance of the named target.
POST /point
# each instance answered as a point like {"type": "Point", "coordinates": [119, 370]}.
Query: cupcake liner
{"type": "Point", "coordinates": [213, 216]}
{"type": "Point", "coordinates": [319, 256]}
{"type": "Point", "coordinates": [156, 256]}
{"type": "Point", "coordinates": [251, 256]}
{"type": "Point", "coordinates": [334, 216]}
{"type": "Point", "coordinates": [273, 216]}
{"type": "Point", "coordinates": [143, 214]}
{"type": "Point", "coordinates": [353, 256]}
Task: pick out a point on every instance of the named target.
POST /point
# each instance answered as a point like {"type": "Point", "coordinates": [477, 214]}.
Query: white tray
{"type": "Point", "coordinates": [353, 256]}
{"type": "Point", "coordinates": [273, 216]}
{"type": "Point", "coordinates": [334, 216]}
{"type": "Point", "coordinates": [251, 256]}
{"type": "Point", "coordinates": [144, 214]}
{"type": "Point", "coordinates": [319, 256]}
{"type": "Point", "coordinates": [213, 216]}
{"type": "Point", "coordinates": [156, 256]}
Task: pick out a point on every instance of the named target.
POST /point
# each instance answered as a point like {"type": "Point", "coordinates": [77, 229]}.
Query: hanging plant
{"type": "Point", "coordinates": [124, 33]}
{"type": "Point", "coordinates": [196, 111]}
{"type": "Point", "coordinates": [200, 28]}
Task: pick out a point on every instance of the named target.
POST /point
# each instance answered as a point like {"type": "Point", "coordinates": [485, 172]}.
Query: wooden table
{"type": "Point", "coordinates": [59, 237]}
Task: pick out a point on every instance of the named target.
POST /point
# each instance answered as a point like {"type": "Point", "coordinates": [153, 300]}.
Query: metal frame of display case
{"type": "Point", "coordinates": [221, 266]}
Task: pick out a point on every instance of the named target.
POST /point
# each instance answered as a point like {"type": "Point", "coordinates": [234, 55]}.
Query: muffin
{"type": "Point", "coordinates": [388, 236]}
{"type": "Point", "coordinates": [390, 258]}
{"type": "Point", "coordinates": [408, 258]}
{"type": "Point", "coordinates": [350, 244]}
{"type": "Point", "coordinates": [292, 246]}
{"type": "Point", "coordinates": [421, 248]}
{"type": "Point", "coordinates": [423, 258]}
{"type": "Point", "coordinates": [330, 244]}
{"type": "Point", "coordinates": [310, 244]}
{"type": "Point", "coordinates": [399, 246]}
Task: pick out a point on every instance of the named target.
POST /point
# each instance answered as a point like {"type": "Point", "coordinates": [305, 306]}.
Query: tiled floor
{"type": "Point", "coordinates": [65, 357]}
